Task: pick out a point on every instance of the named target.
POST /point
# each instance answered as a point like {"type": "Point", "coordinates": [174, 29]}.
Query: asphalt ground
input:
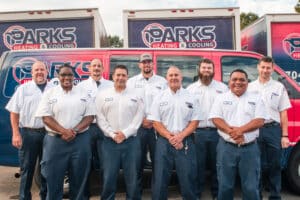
{"type": "Point", "coordinates": [9, 186]}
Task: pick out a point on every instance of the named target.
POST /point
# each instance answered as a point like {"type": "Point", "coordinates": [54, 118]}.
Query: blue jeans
{"type": "Point", "coordinates": [29, 154]}
{"type": "Point", "coordinates": [148, 139]}
{"type": "Point", "coordinates": [126, 155]}
{"type": "Point", "coordinates": [166, 156]}
{"type": "Point", "coordinates": [206, 143]}
{"type": "Point", "coordinates": [61, 157]}
{"type": "Point", "coordinates": [270, 145]}
{"type": "Point", "coordinates": [233, 160]}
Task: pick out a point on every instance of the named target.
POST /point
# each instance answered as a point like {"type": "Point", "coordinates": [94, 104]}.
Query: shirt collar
{"type": "Point", "coordinates": [141, 77]}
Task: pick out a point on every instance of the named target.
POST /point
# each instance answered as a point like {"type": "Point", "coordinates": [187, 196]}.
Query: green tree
{"type": "Point", "coordinates": [115, 41]}
{"type": "Point", "coordinates": [247, 18]}
{"type": "Point", "coordinates": [297, 7]}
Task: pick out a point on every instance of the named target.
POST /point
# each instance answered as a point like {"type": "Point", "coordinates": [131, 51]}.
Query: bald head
{"type": "Point", "coordinates": [174, 78]}
{"type": "Point", "coordinates": [96, 69]}
{"type": "Point", "coordinates": [39, 72]}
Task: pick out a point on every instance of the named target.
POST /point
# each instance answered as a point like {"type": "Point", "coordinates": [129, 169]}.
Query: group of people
{"type": "Point", "coordinates": [235, 130]}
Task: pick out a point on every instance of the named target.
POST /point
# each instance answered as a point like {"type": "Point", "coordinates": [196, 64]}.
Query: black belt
{"type": "Point", "coordinates": [207, 129]}
{"type": "Point", "coordinates": [241, 145]}
{"type": "Point", "coordinates": [39, 130]}
{"type": "Point", "coordinates": [271, 124]}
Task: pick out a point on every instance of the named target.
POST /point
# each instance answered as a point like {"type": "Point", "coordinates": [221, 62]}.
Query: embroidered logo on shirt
{"type": "Point", "coordinates": [163, 103]}
{"type": "Point", "coordinates": [227, 102]}
{"type": "Point", "coordinates": [109, 99]}
{"type": "Point", "coordinates": [189, 105]}
{"type": "Point", "coordinates": [158, 87]}
{"type": "Point", "coordinates": [219, 91]}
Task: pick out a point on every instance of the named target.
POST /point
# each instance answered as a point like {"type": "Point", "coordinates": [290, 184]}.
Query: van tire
{"type": "Point", "coordinates": [293, 170]}
{"type": "Point", "coordinates": [37, 175]}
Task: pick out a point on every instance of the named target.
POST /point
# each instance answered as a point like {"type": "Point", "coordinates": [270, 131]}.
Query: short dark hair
{"type": "Point", "coordinates": [266, 59]}
{"type": "Point", "coordinates": [65, 65]}
{"type": "Point", "coordinates": [207, 61]}
{"type": "Point", "coordinates": [120, 67]}
{"type": "Point", "coordinates": [240, 71]}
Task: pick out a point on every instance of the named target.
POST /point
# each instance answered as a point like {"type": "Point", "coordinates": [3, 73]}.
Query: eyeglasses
{"type": "Point", "coordinates": [64, 75]}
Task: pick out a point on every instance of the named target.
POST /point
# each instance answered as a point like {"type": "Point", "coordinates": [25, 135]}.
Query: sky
{"type": "Point", "coordinates": [111, 10]}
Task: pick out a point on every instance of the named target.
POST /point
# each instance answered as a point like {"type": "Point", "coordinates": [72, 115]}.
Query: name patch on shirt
{"type": "Point", "coordinates": [227, 102]}
{"type": "Point", "coordinates": [108, 99]}
{"type": "Point", "coordinates": [189, 105]}
{"type": "Point", "coordinates": [163, 103]}
{"type": "Point", "coordinates": [274, 95]}
{"type": "Point", "coordinates": [138, 86]}
{"type": "Point", "coordinates": [251, 103]}
{"type": "Point", "coordinates": [52, 101]}
{"type": "Point", "coordinates": [134, 100]}
{"type": "Point", "coordinates": [83, 100]}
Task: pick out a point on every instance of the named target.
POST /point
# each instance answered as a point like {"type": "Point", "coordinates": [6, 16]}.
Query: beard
{"type": "Point", "coordinates": [205, 78]}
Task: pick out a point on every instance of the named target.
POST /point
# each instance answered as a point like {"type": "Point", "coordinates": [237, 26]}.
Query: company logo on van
{"type": "Point", "coordinates": [158, 36]}
{"type": "Point", "coordinates": [291, 45]}
{"type": "Point", "coordinates": [21, 70]}
{"type": "Point", "coordinates": [18, 37]}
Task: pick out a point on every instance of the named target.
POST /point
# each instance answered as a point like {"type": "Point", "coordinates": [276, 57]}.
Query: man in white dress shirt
{"type": "Point", "coordinates": [119, 114]}
{"type": "Point", "coordinates": [175, 115]}
{"type": "Point", "coordinates": [238, 114]}
{"type": "Point", "coordinates": [147, 85]}
{"type": "Point", "coordinates": [206, 90]}
{"type": "Point", "coordinates": [92, 86]}
{"type": "Point", "coordinates": [274, 134]}
{"type": "Point", "coordinates": [27, 131]}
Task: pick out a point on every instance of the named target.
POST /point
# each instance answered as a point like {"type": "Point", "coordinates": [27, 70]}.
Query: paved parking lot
{"type": "Point", "coordinates": [9, 189]}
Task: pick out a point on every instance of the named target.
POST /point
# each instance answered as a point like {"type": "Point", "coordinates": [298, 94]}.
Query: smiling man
{"type": "Point", "coordinates": [119, 115]}
{"type": "Point", "coordinates": [274, 134]}
{"type": "Point", "coordinates": [147, 85]}
{"type": "Point", "coordinates": [27, 131]}
{"type": "Point", "coordinates": [206, 90]}
{"type": "Point", "coordinates": [175, 115]}
{"type": "Point", "coordinates": [238, 114]}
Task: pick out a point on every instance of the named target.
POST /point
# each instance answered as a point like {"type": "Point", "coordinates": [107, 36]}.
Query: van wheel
{"type": "Point", "coordinates": [293, 170]}
{"type": "Point", "coordinates": [37, 175]}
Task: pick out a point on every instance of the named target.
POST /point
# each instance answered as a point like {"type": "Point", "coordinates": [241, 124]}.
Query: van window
{"type": "Point", "coordinates": [130, 61]}
{"type": "Point", "coordinates": [187, 64]}
{"type": "Point", "coordinates": [229, 63]}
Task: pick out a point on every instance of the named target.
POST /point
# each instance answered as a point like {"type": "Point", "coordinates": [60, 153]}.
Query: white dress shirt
{"type": "Point", "coordinates": [275, 97]}
{"type": "Point", "coordinates": [67, 108]}
{"type": "Point", "coordinates": [90, 86]}
{"type": "Point", "coordinates": [119, 111]}
{"type": "Point", "coordinates": [175, 110]}
{"type": "Point", "coordinates": [25, 102]}
{"type": "Point", "coordinates": [147, 89]}
{"type": "Point", "coordinates": [238, 111]}
{"type": "Point", "coordinates": [206, 95]}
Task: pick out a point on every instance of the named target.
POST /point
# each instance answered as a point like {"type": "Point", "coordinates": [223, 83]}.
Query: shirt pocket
{"type": "Point", "coordinates": [274, 100]}
{"type": "Point", "coordinates": [250, 109]}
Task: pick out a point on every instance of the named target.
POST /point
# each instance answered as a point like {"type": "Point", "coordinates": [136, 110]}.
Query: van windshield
{"type": "Point", "coordinates": [187, 64]}
{"type": "Point", "coordinates": [230, 63]}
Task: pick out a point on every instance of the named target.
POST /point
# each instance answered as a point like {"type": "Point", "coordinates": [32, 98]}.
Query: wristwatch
{"type": "Point", "coordinates": [76, 130]}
